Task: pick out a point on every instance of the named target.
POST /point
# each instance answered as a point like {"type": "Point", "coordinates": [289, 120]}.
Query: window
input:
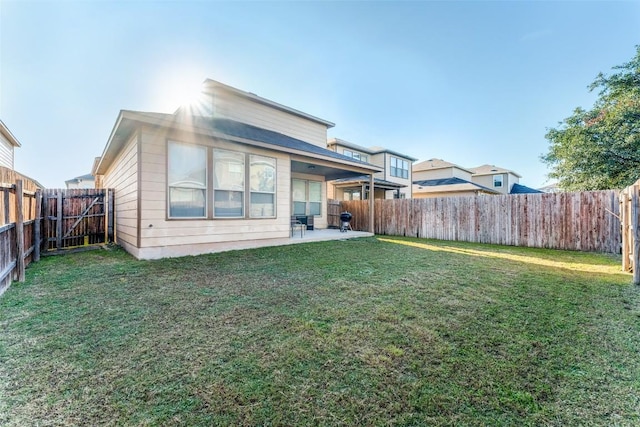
{"type": "Point", "coordinates": [205, 182]}
{"type": "Point", "coordinates": [228, 184]}
{"type": "Point", "coordinates": [497, 180]}
{"type": "Point", "coordinates": [355, 155]}
{"type": "Point", "coordinates": [187, 180]}
{"type": "Point", "coordinates": [263, 187]}
{"type": "Point", "coordinates": [307, 197]}
{"type": "Point", "coordinates": [399, 168]}
{"type": "Point", "coordinates": [351, 195]}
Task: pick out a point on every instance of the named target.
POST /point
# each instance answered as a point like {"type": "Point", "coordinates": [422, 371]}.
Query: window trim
{"type": "Point", "coordinates": [169, 186]}
{"type": "Point", "coordinates": [307, 193]}
{"type": "Point", "coordinates": [275, 187]}
{"type": "Point", "coordinates": [498, 178]}
{"type": "Point", "coordinates": [209, 210]}
{"type": "Point", "coordinates": [244, 184]}
{"type": "Point", "coordinates": [396, 168]}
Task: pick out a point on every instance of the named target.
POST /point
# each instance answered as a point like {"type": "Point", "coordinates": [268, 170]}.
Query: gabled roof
{"type": "Point", "coordinates": [455, 184]}
{"type": "Point", "coordinates": [491, 170]}
{"type": "Point", "coordinates": [4, 130]}
{"type": "Point", "coordinates": [433, 164]}
{"type": "Point", "coordinates": [219, 128]}
{"type": "Point", "coordinates": [213, 84]}
{"type": "Point", "coordinates": [523, 189]}
{"type": "Point", "coordinates": [87, 177]}
{"type": "Point", "coordinates": [370, 150]}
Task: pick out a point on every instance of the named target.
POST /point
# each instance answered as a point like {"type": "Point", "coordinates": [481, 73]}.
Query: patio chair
{"type": "Point", "coordinates": [295, 223]}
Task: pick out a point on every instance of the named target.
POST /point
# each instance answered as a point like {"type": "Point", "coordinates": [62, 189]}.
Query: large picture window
{"type": "Point", "coordinates": [228, 184]}
{"type": "Point", "coordinates": [399, 168]}
{"type": "Point", "coordinates": [213, 183]}
{"type": "Point", "coordinates": [187, 180]}
{"type": "Point", "coordinates": [307, 197]}
{"type": "Point", "coordinates": [263, 186]}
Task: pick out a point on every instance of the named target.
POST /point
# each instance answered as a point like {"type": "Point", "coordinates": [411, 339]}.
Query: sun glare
{"type": "Point", "coordinates": [179, 87]}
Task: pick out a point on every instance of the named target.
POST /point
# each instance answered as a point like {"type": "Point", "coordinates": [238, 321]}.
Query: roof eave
{"type": "Point", "coordinates": [7, 134]}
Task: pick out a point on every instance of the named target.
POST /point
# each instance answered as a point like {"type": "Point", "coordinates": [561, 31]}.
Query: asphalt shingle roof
{"type": "Point", "coordinates": [523, 189]}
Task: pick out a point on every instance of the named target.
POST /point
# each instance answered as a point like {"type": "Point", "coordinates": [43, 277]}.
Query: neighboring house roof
{"type": "Point", "coordinates": [433, 164]}
{"type": "Point", "coordinates": [213, 84]}
{"type": "Point", "coordinates": [370, 150]}
{"type": "Point", "coordinates": [377, 182]}
{"type": "Point", "coordinates": [87, 177]}
{"type": "Point", "coordinates": [551, 188]}
{"type": "Point", "coordinates": [451, 185]}
{"type": "Point", "coordinates": [4, 130]}
{"type": "Point", "coordinates": [491, 170]}
{"type": "Point", "coordinates": [218, 128]}
{"type": "Point", "coordinates": [523, 189]}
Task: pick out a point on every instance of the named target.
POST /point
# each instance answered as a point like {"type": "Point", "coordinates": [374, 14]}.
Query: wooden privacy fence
{"type": "Point", "coordinates": [77, 217]}
{"type": "Point", "coordinates": [629, 217]}
{"type": "Point", "coordinates": [585, 221]}
{"type": "Point", "coordinates": [48, 220]}
{"type": "Point", "coordinates": [19, 228]}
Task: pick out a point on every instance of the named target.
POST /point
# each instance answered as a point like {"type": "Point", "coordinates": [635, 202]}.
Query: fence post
{"type": "Point", "coordinates": [20, 230]}
{"type": "Point", "coordinates": [37, 233]}
{"type": "Point", "coordinates": [635, 210]}
{"type": "Point", "coordinates": [59, 222]}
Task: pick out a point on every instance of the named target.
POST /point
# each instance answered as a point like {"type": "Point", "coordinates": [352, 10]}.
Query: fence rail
{"type": "Point", "coordinates": [585, 221]}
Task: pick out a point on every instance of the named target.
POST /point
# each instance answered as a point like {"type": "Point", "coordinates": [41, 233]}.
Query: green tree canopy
{"type": "Point", "coordinates": [600, 148]}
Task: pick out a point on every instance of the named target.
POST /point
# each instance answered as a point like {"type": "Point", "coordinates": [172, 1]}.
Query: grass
{"type": "Point", "coordinates": [376, 331]}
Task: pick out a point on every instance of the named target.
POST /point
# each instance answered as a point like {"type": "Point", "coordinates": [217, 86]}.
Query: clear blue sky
{"type": "Point", "coordinates": [468, 82]}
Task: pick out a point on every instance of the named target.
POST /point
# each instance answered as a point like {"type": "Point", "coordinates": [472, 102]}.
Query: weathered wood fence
{"type": "Point", "coordinates": [77, 217]}
{"type": "Point", "coordinates": [630, 220]}
{"type": "Point", "coordinates": [585, 221]}
{"type": "Point", "coordinates": [19, 226]}
{"type": "Point", "coordinates": [34, 220]}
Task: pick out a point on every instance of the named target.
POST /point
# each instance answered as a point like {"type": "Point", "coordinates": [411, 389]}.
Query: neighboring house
{"type": "Point", "coordinates": [436, 178]}
{"type": "Point", "coordinates": [227, 176]}
{"type": "Point", "coordinates": [8, 143]}
{"type": "Point", "coordinates": [393, 182]}
{"type": "Point", "coordinates": [551, 188]}
{"type": "Point", "coordinates": [499, 179]}
{"type": "Point", "coordinates": [83, 181]}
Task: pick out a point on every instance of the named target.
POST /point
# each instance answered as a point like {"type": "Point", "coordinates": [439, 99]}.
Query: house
{"type": "Point", "coordinates": [393, 182]}
{"type": "Point", "coordinates": [83, 181]}
{"type": "Point", "coordinates": [8, 143]}
{"type": "Point", "coordinates": [227, 174]}
{"type": "Point", "coordinates": [504, 181]}
{"type": "Point", "coordinates": [436, 178]}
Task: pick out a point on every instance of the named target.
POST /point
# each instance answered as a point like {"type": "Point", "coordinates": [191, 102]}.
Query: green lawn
{"type": "Point", "coordinates": [375, 331]}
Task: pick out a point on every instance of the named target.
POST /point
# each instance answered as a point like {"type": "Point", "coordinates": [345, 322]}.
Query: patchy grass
{"type": "Point", "coordinates": [378, 331]}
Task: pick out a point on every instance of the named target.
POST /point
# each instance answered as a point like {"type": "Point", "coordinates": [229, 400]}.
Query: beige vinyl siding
{"type": "Point", "coordinates": [229, 106]}
{"type": "Point", "coordinates": [440, 174]}
{"type": "Point", "coordinates": [159, 232]}
{"type": "Point", "coordinates": [487, 181]}
{"type": "Point", "coordinates": [122, 176]}
{"type": "Point", "coordinates": [6, 153]}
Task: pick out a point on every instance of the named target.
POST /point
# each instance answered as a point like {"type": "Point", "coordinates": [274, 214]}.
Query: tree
{"type": "Point", "coordinates": [600, 148]}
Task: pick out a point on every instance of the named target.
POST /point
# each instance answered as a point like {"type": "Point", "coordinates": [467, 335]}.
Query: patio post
{"type": "Point", "coordinates": [371, 204]}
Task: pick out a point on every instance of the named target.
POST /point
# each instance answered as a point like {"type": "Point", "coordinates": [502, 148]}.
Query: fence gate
{"type": "Point", "coordinates": [78, 217]}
